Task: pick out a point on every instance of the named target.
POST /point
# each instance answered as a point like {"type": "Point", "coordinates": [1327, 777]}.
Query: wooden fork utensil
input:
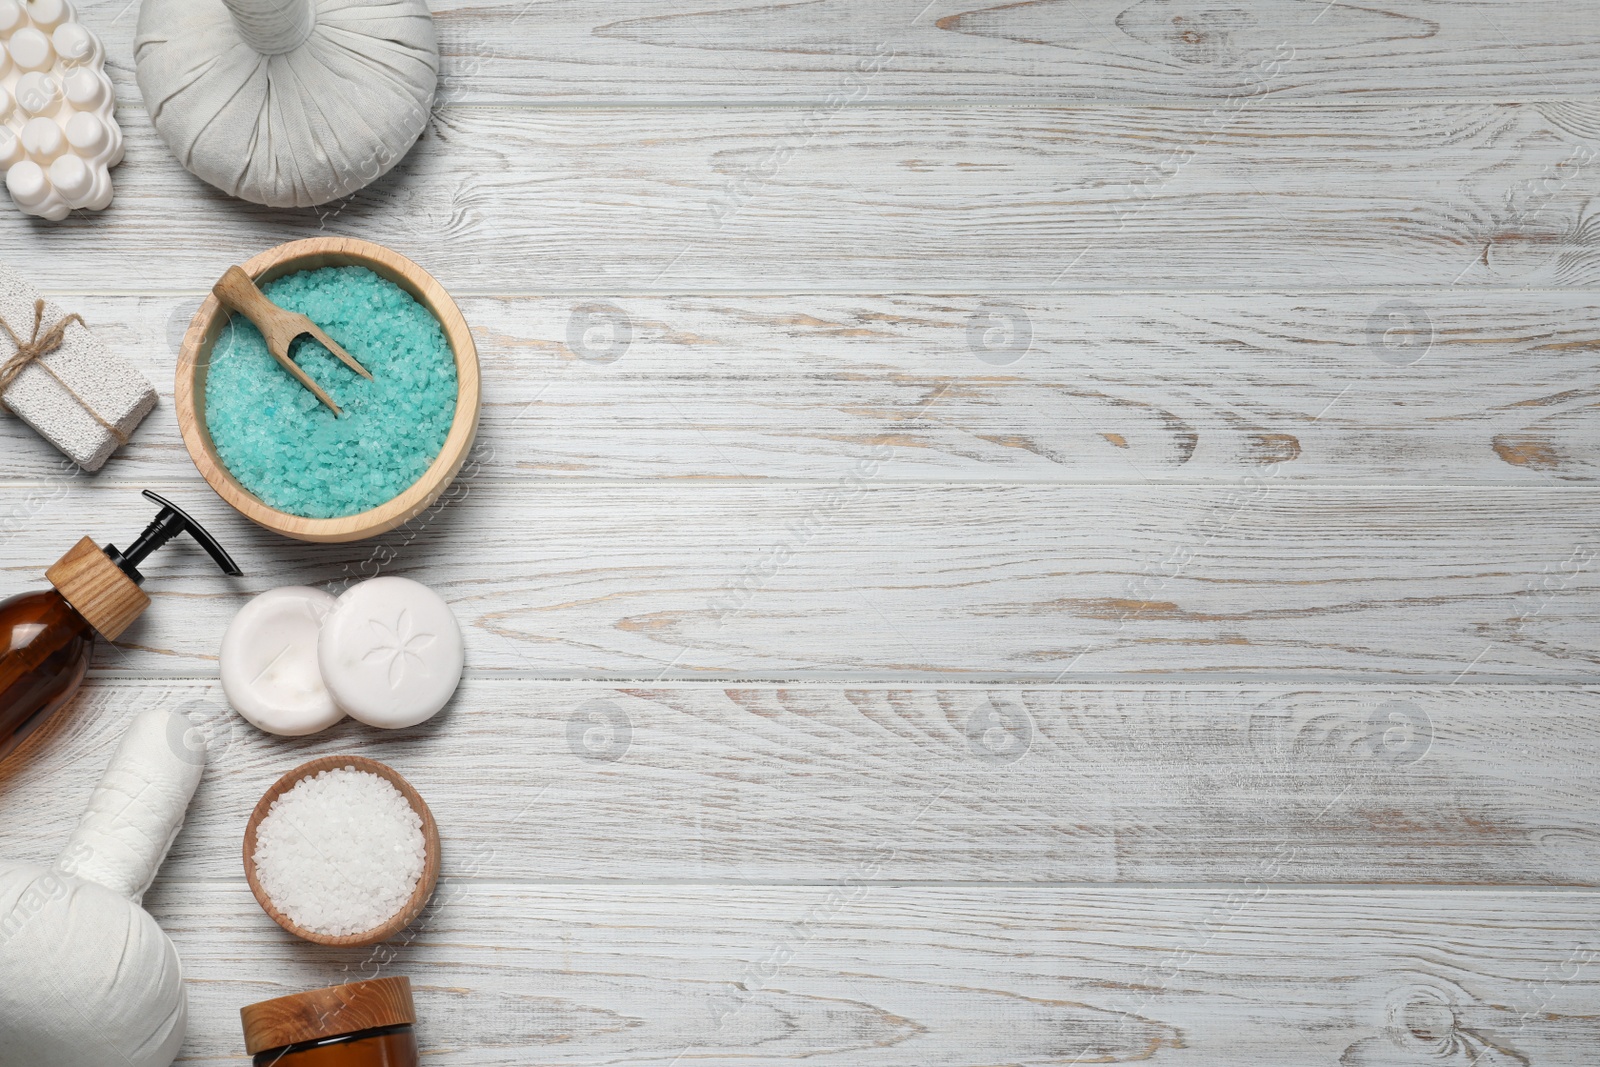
{"type": "Point", "coordinates": [278, 327]}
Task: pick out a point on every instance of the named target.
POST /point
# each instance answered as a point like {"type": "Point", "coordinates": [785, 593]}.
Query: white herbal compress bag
{"type": "Point", "coordinates": [87, 978]}
{"type": "Point", "coordinates": [287, 103]}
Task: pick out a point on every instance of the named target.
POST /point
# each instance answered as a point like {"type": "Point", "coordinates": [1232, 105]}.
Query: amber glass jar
{"type": "Point", "coordinates": [362, 1024]}
{"type": "Point", "coordinates": [383, 1046]}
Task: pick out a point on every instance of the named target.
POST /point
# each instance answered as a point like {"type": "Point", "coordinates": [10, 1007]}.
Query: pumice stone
{"type": "Point", "coordinates": [269, 662]}
{"type": "Point", "coordinates": [390, 652]}
{"type": "Point", "coordinates": [59, 136]}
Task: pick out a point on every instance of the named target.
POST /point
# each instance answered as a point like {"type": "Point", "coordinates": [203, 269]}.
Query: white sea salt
{"type": "Point", "coordinates": [340, 852]}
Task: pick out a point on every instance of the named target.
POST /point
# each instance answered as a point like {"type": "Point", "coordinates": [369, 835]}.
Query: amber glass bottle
{"type": "Point", "coordinates": [361, 1024]}
{"type": "Point", "coordinates": [47, 645]}
{"type": "Point", "coordinates": [46, 636]}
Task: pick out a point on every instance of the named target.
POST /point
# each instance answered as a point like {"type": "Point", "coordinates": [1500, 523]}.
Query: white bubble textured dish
{"type": "Point", "coordinates": [59, 136]}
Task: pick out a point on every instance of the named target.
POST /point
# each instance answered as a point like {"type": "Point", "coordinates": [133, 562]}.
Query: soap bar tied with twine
{"type": "Point", "coordinates": [57, 377]}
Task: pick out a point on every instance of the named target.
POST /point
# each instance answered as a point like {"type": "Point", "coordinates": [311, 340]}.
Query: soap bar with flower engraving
{"type": "Point", "coordinates": [390, 652]}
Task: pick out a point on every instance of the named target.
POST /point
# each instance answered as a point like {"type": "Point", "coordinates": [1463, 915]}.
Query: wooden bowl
{"type": "Point", "coordinates": [430, 864]}
{"type": "Point", "coordinates": [189, 394]}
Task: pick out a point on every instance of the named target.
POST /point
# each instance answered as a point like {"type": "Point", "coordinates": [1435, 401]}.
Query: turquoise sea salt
{"type": "Point", "coordinates": [286, 446]}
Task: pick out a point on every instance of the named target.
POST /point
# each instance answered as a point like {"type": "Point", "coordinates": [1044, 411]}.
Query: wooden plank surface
{"type": "Point", "coordinates": [935, 199]}
{"type": "Point", "coordinates": [1479, 785]}
{"type": "Point", "coordinates": [663, 52]}
{"type": "Point", "coordinates": [1044, 532]}
{"type": "Point", "coordinates": [906, 977]}
{"type": "Point", "coordinates": [854, 581]}
{"type": "Point", "coordinates": [1452, 387]}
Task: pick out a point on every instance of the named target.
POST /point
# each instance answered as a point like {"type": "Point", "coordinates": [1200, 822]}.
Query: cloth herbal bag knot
{"type": "Point", "coordinates": [57, 377]}
{"type": "Point", "coordinates": [287, 103]}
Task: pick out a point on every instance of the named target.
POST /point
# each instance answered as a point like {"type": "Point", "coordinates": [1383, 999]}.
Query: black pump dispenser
{"type": "Point", "coordinates": [47, 636]}
{"type": "Point", "coordinates": [169, 523]}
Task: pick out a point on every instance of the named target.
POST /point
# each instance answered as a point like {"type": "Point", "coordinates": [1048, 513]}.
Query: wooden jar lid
{"type": "Point", "coordinates": [329, 1012]}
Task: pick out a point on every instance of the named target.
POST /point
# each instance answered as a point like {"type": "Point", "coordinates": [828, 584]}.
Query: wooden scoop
{"type": "Point", "coordinates": [238, 293]}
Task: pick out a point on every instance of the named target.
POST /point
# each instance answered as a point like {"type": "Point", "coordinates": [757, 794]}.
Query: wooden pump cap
{"type": "Point", "coordinates": [330, 1012]}
{"type": "Point", "coordinates": [97, 589]}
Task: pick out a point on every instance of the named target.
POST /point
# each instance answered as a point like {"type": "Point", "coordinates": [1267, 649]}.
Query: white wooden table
{"type": "Point", "coordinates": [1035, 533]}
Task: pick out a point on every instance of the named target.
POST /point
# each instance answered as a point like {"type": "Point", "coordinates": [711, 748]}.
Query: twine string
{"type": "Point", "coordinates": [41, 344]}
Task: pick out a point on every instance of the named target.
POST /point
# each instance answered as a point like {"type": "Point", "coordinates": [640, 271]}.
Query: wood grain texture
{"type": "Point", "coordinates": [97, 589]}
{"type": "Point", "coordinates": [971, 976]}
{"type": "Point", "coordinates": [1473, 387]}
{"type": "Point", "coordinates": [854, 581]}
{"type": "Point", "coordinates": [331, 1011]}
{"type": "Point", "coordinates": [661, 52]}
{"type": "Point", "coordinates": [935, 199]}
{"type": "Point", "coordinates": [853, 373]}
{"type": "Point", "coordinates": [557, 783]}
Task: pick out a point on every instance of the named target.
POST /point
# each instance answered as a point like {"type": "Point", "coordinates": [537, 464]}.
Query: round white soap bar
{"type": "Point", "coordinates": [269, 662]}
{"type": "Point", "coordinates": [390, 652]}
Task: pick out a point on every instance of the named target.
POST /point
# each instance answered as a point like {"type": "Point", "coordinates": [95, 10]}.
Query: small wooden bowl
{"type": "Point", "coordinates": [189, 394]}
{"type": "Point", "coordinates": [430, 863]}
